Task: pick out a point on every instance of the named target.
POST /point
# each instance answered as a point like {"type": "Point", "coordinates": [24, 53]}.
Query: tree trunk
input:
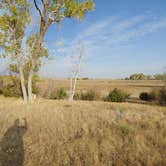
{"type": "Point", "coordinates": [30, 98]}
{"type": "Point", "coordinates": [24, 92]}
{"type": "Point", "coordinates": [72, 93]}
{"type": "Point", "coordinates": [74, 79]}
{"type": "Point", "coordinates": [71, 90]}
{"type": "Point", "coordinates": [43, 29]}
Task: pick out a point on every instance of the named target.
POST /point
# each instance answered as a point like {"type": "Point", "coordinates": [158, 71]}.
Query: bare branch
{"type": "Point", "coordinates": [37, 7]}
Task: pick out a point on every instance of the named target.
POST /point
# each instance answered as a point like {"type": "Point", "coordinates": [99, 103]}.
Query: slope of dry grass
{"type": "Point", "coordinates": [84, 133]}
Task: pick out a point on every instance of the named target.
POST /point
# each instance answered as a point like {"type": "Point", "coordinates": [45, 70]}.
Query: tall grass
{"type": "Point", "coordinates": [88, 133]}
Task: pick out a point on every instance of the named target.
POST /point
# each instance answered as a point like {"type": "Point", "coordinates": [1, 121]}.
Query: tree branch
{"type": "Point", "coordinates": [37, 7]}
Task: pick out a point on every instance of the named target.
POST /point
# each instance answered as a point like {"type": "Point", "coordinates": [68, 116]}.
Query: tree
{"type": "Point", "coordinates": [160, 76]}
{"type": "Point", "coordinates": [12, 30]}
{"type": "Point", "coordinates": [54, 11]}
{"type": "Point", "coordinates": [76, 63]}
{"type": "Point", "coordinates": [139, 76]}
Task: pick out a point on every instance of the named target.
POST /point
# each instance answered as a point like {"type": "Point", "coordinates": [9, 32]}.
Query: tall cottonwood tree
{"type": "Point", "coordinates": [13, 22]}
{"type": "Point", "coordinates": [54, 11]}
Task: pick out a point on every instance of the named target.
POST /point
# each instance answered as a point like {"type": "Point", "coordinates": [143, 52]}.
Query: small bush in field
{"type": "Point", "coordinates": [89, 95]}
{"type": "Point", "coordinates": [144, 96]}
{"type": "Point", "coordinates": [117, 95]}
{"type": "Point", "coordinates": [1, 85]}
{"type": "Point", "coordinates": [11, 87]}
{"type": "Point", "coordinates": [77, 96]}
{"type": "Point", "coordinates": [162, 96]}
{"type": "Point", "coordinates": [153, 95]}
{"type": "Point", "coordinates": [158, 95]}
{"type": "Point", "coordinates": [58, 94]}
{"type": "Point", "coordinates": [61, 93]}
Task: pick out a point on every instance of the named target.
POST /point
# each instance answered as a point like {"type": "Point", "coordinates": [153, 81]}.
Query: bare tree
{"type": "Point", "coordinates": [76, 64]}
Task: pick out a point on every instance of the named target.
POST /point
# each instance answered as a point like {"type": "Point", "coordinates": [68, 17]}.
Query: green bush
{"type": "Point", "coordinates": [153, 95]}
{"type": "Point", "coordinates": [77, 96]}
{"type": "Point", "coordinates": [145, 96]}
{"type": "Point", "coordinates": [1, 85]}
{"type": "Point", "coordinates": [89, 95]}
{"type": "Point", "coordinates": [158, 95]}
{"type": "Point", "coordinates": [58, 94]}
{"type": "Point", "coordinates": [162, 96]}
{"type": "Point", "coordinates": [117, 95]}
{"type": "Point", "coordinates": [11, 87]}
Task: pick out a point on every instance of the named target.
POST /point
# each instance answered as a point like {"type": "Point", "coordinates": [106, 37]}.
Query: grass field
{"type": "Point", "coordinates": [134, 87]}
{"type": "Point", "coordinates": [60, 133]}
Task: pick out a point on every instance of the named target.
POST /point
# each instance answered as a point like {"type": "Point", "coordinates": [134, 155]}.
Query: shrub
{"type": "Point", "coordinates": [89, 95]}
{"type": "Point", "coordinates": [162, 96]}
{"type": "Point", "coordinates": [77, 96]}
{"type": "Point", "coordinates": [158, 95]}
{"type": "Point", "coordinates": [153, 95]}
{"type": "Point", "coordinates": [117, 95]}
{"type": "Point", "coordinates": [144, 96]}
{"type": "Point", "coordinates": [1, 85]}
{"type": "Point", "coordinates": [58, 94]}
{"type": "Point", "coordinates": [11, 87]}
{"type": "Point", "coordinates": [85, 78]}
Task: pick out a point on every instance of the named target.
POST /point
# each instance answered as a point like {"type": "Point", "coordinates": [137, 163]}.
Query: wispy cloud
{"type": "Point", "coordinates": [116, 31]}
{"type": "Point", "coordinates": [105, 34]}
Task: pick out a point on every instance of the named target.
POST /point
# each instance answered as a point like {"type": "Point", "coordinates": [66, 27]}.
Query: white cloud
{"type": "Point", "coordinates": [115, 31]}
{"type": "Point", "coordinates": [104, 35]}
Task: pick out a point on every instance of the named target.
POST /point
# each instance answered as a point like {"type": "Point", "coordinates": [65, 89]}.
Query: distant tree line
{"type": "Point", "coordinates": [141, 76]}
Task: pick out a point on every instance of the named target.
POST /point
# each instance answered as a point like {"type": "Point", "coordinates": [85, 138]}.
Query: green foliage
{"type": "Point", "coordinates": [11, 87]}
{"type": "Point", "coordinates": [162, 96]}
{"type": "Point", "coordinates": [117, 95]}
{"type": "Point", "coordinates": [85, 78]}
{"type": "Point", "coordinates": [58, 94]}
{"type": "Point", "coordinates": [12, 25]}
{"type": "Point", "coordinates": [160, 76]}
{"type": "Point", "coordinates": [69, 8]}
{"type": "Point", "coordinates": [139, 76]}
{"type": "Point", "coordinates": [1, 85]}
{"type": "Point", "coordinates": [158, 95]}
{"type": "Point", "coordinates": [43, 52]}
{"type": "Point", "coordinates": [14, 71]}
{"type": "Point", "coordinates": [89, 95]}
{"type": "Point", "coordinates": [145, 96]}
{"type": "Point", "coordinates": [151, 96]}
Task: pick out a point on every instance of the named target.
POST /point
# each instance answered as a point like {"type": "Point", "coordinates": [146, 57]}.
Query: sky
{"type": "Point", "coordinates": [119, 37]}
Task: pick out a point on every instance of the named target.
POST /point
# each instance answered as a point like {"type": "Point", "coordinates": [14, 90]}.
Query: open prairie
{"type": "Point", "coordinates": [103, 86]}
{"type": "Point", "coordinates": [82, 83]}
{"type": "Point", "coordinates": [82, 133]}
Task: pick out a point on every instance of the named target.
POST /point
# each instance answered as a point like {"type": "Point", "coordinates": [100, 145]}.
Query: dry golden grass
{"type": "Point", "coordinates": [134, 87]}
{"type": "Point", "coordinates": [85, 133]}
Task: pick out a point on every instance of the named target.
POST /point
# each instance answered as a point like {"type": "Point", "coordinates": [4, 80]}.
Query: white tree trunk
{"type": "Point", "coordinates": [30, 97]}
{"type": "Point", "coordinates": [24, 92]}
{"type": "Point", "coordinates": [75, 75]}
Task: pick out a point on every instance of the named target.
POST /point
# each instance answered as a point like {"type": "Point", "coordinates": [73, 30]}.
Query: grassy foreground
{"type": "Point", "coordinates": [60, 133]}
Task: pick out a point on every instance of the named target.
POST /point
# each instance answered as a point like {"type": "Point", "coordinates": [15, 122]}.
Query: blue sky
{"type": "Point", "coordinates": [120, 37]}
